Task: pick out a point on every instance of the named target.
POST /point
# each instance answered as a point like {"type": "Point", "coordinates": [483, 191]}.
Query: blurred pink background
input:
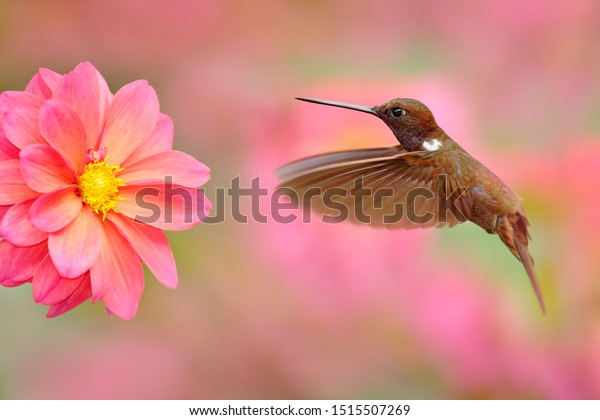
{"type": "Point", "coordinates": [336, 311]}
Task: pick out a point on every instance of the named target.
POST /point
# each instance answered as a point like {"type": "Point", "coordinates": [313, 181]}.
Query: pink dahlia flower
{"type": "Point", "coordinates": [80, 168]}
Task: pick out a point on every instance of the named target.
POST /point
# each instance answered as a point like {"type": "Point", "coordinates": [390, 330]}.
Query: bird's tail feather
{"type": "Point", "coordinates": [513, 232]}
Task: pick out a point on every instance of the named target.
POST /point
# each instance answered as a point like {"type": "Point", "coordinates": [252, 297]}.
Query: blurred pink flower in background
{"type": "Point", "coordinates": [337, 311]}
{"type": "Point", "coordinates": [75, 159]}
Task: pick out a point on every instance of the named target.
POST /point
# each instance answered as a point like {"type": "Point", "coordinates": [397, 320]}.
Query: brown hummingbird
{"type": "Point", "coordinates": [428, 174]}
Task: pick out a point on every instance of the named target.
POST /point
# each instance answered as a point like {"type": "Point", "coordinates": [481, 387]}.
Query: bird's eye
{"type": "Point", "coordinates": [397, 112]}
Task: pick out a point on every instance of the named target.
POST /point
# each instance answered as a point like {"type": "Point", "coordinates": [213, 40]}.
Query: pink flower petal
{"type": "Point", "coordinates": [21, 127]}
{"type": "Point", "coordinates": [43, 169]}
{"type": "Point", "coordinates": [151, 245]}
{"type": "Point", "coordinates": [181, 168]}
{"type": "Point", "coordinates": [15, 283]}
{"type": "Point", "coordinates": [55, 210]}
{"type": "Point", "coordinates": [75, 248]}
{"type": "Point", "coordinates": [95, 79]}
{"type": "Point", "coordinates": [131, 119]}
{"type": "Point", "coordinates": [82, 293]}
{"type": "Point", "coordinates": [7, 149]}
{"type": "Point", "coordinates": [50, 78]}
{"type": "Point", "coordinates": [38, 87]}
{"type": "Point", "coordinates": [19, 264]}
{"type": "Point", "coordinates": [3, 210]}
{"type": "Point", "coordinates": [12, 99]}
{"type": "Point", "coordinates": [164, 207]}
{"type": "Point", "coordinates": [48, 287]}
{"type": "Point", "coordinates": [16, 228]}
{"type": "Point", "coordinates": [119, 267]}
{"type": "Point", "coordinates": [63, 130]}
{"type": "Point", "coordinates": [12, 187]}
{"type": "Point", "coordinates": [78, 93]}
{"type": "Point", "coordinates": [161, 140]}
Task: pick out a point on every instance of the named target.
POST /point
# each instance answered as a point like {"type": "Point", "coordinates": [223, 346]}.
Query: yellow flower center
{"type": "Point", "coordinates": [99, 187]}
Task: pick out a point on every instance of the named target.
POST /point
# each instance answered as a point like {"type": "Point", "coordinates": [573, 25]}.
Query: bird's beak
{"type": "Point", "coordinates": [361, 108]}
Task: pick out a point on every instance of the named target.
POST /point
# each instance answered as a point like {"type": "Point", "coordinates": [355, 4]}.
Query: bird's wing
{"type": "Point", "coordinates": [387, 187]}
{"type": "Point", "coordinates": [335, 159]}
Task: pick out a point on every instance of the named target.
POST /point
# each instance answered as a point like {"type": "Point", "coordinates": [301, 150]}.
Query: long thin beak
{"type": "Point", "coordinates": [361, 108]}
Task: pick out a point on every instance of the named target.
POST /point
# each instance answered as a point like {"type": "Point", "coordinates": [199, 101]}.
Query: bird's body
{"type": "Point", "coordinates": [427, 180]}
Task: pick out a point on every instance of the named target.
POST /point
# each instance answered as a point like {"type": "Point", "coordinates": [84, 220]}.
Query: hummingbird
{"type": "Point", "coordinates": [427, 173]}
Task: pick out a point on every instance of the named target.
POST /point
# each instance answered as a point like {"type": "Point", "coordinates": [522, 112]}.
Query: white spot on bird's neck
{"type": "Point", "coordinates": [432, 145]}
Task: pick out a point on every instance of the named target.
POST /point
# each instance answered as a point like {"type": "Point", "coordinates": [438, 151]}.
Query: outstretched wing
{"type": "Point", "coordinates": [387, 187]}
